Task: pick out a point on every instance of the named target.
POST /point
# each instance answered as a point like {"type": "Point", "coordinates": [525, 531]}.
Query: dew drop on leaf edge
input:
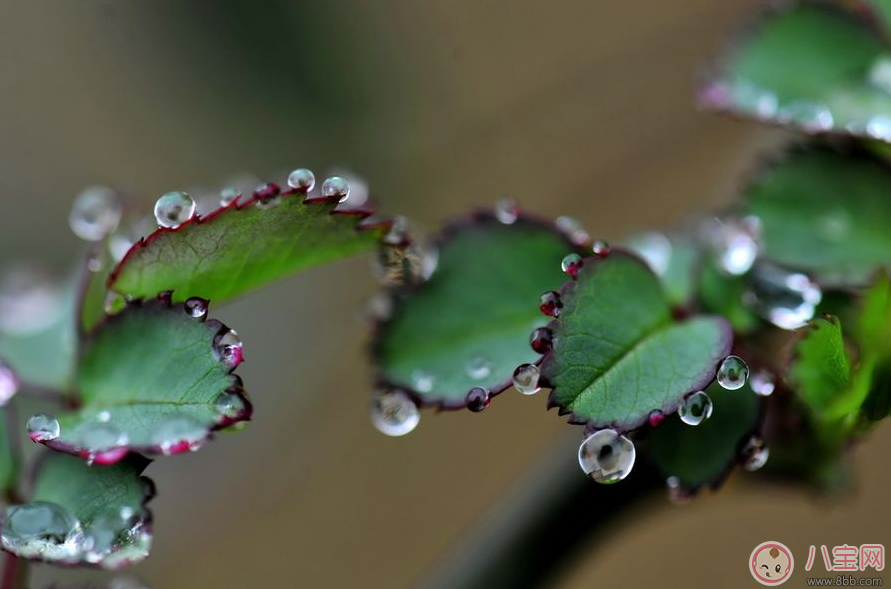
{"type": "Point", "coordinates": [174, 208]}
{"type": "Point", "coordinates": [393, 412]}
{"type": "Point", "coordinates": [606, 457]}
{"type": "Point", "coordinates": [696, 408]}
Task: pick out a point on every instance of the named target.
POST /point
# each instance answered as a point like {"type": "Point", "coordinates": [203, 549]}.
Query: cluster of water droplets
{"type": "Point", "coordinates": [607, 457]}
{"type": "Point", "coordinates": [405, 256]}
{"type": "Point", "coordinates": [50, 532]}
{"type": "Point", "coordinates": [732, 374]}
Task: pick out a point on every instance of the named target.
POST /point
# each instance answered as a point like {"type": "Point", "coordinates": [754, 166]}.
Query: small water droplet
{"type": "Point", "coordinates": [230, 405]}
{"type": "Point", "coordinates": [393, 413]}
{"type": "Point", "coordinates": [541, 340]}
{"type": "Point", "coordinates": [302, 179]}
{"type": "Point", "coordinates": [786, 299]}
{"type": "Point", "coordinates": [478, 398]}
{"type": "Point", "coordinates": [9, 383]}
{"type": "Point", "coordinates": [762, 382]}
{"type": "Point", "coordinates": [655, 418]}
{"type": "Point", "coordinates": [696, 408]}
{"type": "Point", "coordinates": [572, 264]}
{"type": "Point", "coordinates": [733, 372]}
{"type": "Point", "coordinates": [655, 249]}
{"type": "Point", "coordinates": [336, 187]}
{"type": "Point", "coordinates": [173, 209]}
{"type": "Point", "coordinates": [879, 127]}
{"type": "Point", "coordinates": [228, 348]}
{"type": "Point", "coordinates": [229, 196]}
{"type": "Point", "coordinates": [267, 195]}
{"type": "Point", "coordinates": [550, 303]}
{"type": "Point", "coordinates": [573, 229]}
{"type": "Point", "coordinates": [103, 416]}
{"type": "Point", "coordinates": [600, 248]}
{"type": "Point", "coordinates": [95, 213]}
{"type": "Point", "coordinates": [196, 307]}
{"type": "Point", "coordinates": [42, 530]}
{"type": "Point", "coordinates": [811, 116]}
{"type": "Point", "coordinates": [880, 73]}
{"type": "Point", "coordinates": [478, 367]}
{"type": "Point", "coordinates": [606, 457]}
{"type": "Point", "coordinates": [422, 380]}
{"type": "Point", "coordinates": [755, 454]}
{"type": "Point", "coordinates": [43, 428]}
{"type": "Point", "coordinates": [734, 243]}
{"type": "Point", "coordinates": [526, 378]}
{"type": "Point", "coordinates": [507, 210]}
{"type": "Point", "coordinates": [177, 434]}
{"type": "Point", "coordinates": [114, 302]}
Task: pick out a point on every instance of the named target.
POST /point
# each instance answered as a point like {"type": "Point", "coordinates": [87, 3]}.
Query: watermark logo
{"type": "Point", "coordinates": [771, 563]}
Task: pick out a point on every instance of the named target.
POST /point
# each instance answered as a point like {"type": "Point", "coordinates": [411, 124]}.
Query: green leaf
{"type": "Point", "coordinates": [705, 454]}
{"type": "Point", "coordinates": [480, 305]}
{"type": "Point", "coordinates": [874, 321]}
{"type": "Point", "coordinates": [826, 213]}
{"type": "Point", "coordinates": [152, 379]}
{"type": "Point", "coordinates": [243, 246]}
{"type": "Point", "coordinates": [810, 66]}
{"type": "Point", "coordinates": [618, 354]}
{"type": "Point", "coordinates": [108, 523]}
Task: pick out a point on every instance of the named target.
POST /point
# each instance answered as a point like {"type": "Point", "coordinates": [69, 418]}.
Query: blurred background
{"type": "Point", "coordinates": [581, 108]}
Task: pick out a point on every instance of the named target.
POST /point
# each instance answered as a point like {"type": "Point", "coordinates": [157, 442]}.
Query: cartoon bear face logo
{"type": "Point", "coordinates": [771, 563]}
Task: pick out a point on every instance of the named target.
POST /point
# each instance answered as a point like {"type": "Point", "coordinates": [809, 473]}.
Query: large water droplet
{"type": "Point", "coordinates": [526, 378]}
{"type": "Point", "coordinates": [606, 457]}
{"type": "Point", "coordinates": [43, 428]}
{"type": "Point", "coordinates": [196, 307]}
{"type": "Point", "coordinates": [755, 454]}
{"type": "Point", "coordinates": [336, 187]}
{"type": "Point", "coordinates": [174, 209]}
{"type": "Point", "coordinates": [95, 213]}
{"type": "Point", "coordinates": [654, 248]}
{"type": "Point", "coordinates": [478, 398]}
{"type": "Point", "coordinates": [734, 243]}
{"type": "Point", "coordinates": [572, 264]}
{"type": "Point", "coordinates": [422, 380]}
{"type": "Point", "coordinates": [733, 372]}
{"type": "Point", "coordinates": [228, 348]}
{"type": "Point", "coordinates": [9, 383]}
{"type": "Point", "coordinates": [573, 229]}
{"type": "Point", "coordinates": [762, 382]}
{"type": "Point", "coordinates": [507, 210]}
{"type": "Point", "coordinates": [42, 530]}
{"type": "Point", "coordinates": [478, 367]}
{"type": "Point", "coordinates": [177, 434]}
{"type": "Point", "coordinates": [302, 179]}
{"type": "Point", "coordinates": [786, 299]}
{"type": "Point", "coordinates": [541, 340]}
{"type": "Point", "coordinates": [393, 413]}
{"type": "Point", "coordinates": [696, 408]}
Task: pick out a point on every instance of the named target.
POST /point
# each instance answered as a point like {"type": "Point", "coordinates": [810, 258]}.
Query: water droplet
{"type": "Point", "coordinates": [676, 493]}
{"type": "Point", "coordinates": [230, 404]}
{"type": "Point", "coordinates": [114, 302]}
{"type": "Point", "coordinates": [302, 179]}
{"type": "Point", "coordinates": [880, 73]}
{"type": "Point", "coordinates": [9, 383]}
{"type": "Point", "coordinates": [228, 348]}
{"type": "Point", "coordinates": [733, 372]}
{"type": "Point", "coordinates": [196, 307]}
{"type": "Point", "coordinates": [879, 127]}
{"type": "Point", "coordinates": [654, 248]}
{"type": "Point", "coordinates": [786, 299]}
{"type": "Point", "coordinates": [550, 303]}
{"type": "Point", "coordinates": [755, 454]}
{"type": "Point", "coordinates": [133, 546]}
{"type": "Point", "coordinates": [478, 398]}
{"type": "Point", "coordinates": [95, 213]}
{"type": "Point", "coordinates": [762, 382]}
{"type": "Point", "coordinates": [507, 210]}
{"type": "Point", "coordinates": [600, 248]}
{"type": "Point", "coordinates": [696, 409]}
{"type": "Point", "coordinates": [526, 378]}
{"type": "Point", "coordinates": [811, 116]}
{"type": "Point", "coordinates": [336, 187]}
{"type": "Point", "coordinates": [174, 209]}
{"type": "Point", "coordinates": [267, 195]}
{"type": "Point", "coordinates": [177, 434]}
{"type": "Point", "coordinates": [541, 340]}
{"type": "Point", "coordinates": [607, 457]}
{"type": "Point", "coordinates": [393, 413]}
{"type": "Point", "coordinates": [422, 380]}
{"type": "Point", "coordinates": [655, 418]}
{"type": "Point", "coordinates": [573, 229]}
{"type": "Point", "coordinates": [229, 196]}
{"type": "Point", "coordinates": [572, 264]}
{"type": "Point", "coordinates": [478, 367]}
{"type": "Point", "coordinates": [42, 530]}
{"type": "Point", "coordinates": [103, 536]}
{"type": "Point", "coordinates": [43, 428]}
{"type": "Point", "coordinates": [734, 243]}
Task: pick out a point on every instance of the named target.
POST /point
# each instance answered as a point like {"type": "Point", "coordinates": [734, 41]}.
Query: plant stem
{"type": "Point", "coordinates": [532, 535]}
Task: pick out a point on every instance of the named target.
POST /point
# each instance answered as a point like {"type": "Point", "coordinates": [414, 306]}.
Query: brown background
{"type": "Point", "coordinates": [573, 107]}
